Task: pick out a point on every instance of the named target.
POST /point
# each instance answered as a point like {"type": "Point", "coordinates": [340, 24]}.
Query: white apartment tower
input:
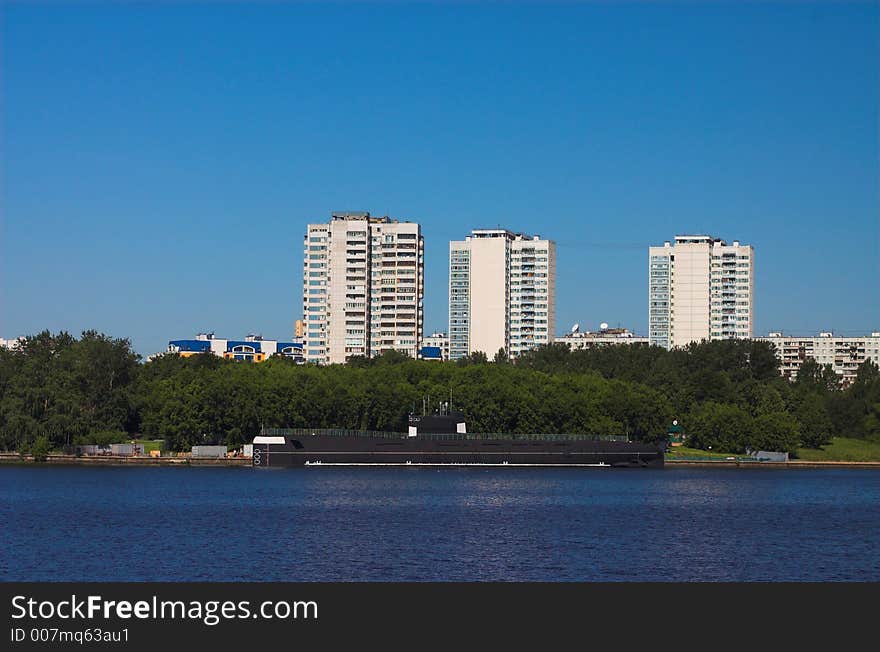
{"type": "Point", "coordinates": [502, 293]}
{"type": "Point", "coordinates": [700, 288]}
{"type": "Point", "coordinates": [363, 285]}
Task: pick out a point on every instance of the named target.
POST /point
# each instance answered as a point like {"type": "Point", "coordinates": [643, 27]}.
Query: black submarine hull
{"type": "Point", "coordinates": [318, 450]}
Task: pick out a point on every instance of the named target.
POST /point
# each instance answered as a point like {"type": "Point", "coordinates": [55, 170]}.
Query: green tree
{"type": "Point", "coordinates": [777, 431]}
{"type": "Point", "coordinates": [477, 357]}
{"type": "Point", "coordinates": [40, 449]}
{"type": "Point", "coordinates": [728, 394]}
{"type": "Point", "coordinates": [814, 422]}
{"type": "Point", "coordinates": [720, 427]}
{"type": "Point", "coordinates": [821, 377]}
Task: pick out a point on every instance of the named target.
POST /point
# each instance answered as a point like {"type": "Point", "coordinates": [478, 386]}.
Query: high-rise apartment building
{"type": "Point", "coordinates": [502, 293]}
{"type": "Point", "coordinates": [700, 288]}
{"type": "Point", "coordinates": [363, 285]}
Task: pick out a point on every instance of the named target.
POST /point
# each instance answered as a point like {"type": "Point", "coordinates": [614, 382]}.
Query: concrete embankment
{"type": "Point", "coordinates": [792, 464]}
{"type": "Point", "coordinates": [170, 460]}
{"type": "Point", "coordinates": [125, 460]}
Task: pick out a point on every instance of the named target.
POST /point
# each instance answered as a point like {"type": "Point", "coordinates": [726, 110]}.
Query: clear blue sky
{"type": "Point", "coordinates": [160, 162]}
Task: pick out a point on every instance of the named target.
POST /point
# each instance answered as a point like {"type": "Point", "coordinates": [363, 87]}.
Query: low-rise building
{"type": "Point", "coordinates": [252, 348]}
{"type": "Point", "coordinates": [577, 339]}
{"type": "Point", "coordinates": [843, 353]}
{"type": "Point", "coordinates": [11, 344]}
{"type": "Point", "coordinates": [435, 347]}
{"type": "Point", "coordinates": [209, 452]}
{"type": "Point", "coordinates": [126, 449]}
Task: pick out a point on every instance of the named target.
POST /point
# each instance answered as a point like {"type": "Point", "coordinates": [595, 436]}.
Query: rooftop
{"type": "Point", "coordinates": [363, 215]}
{"type": "Point", "coordinates": [604, 331]}
{"type": "Point", "coordinates": [697, 239]}
{"type": "Point", "coordinates": [502, 233]}
{"type": "Point", "coordinates": [822, 334]}
{"type": "Point", "coordinates": [621, 333]}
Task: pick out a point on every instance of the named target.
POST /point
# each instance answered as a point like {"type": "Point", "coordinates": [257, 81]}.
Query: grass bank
{"type": "Point", "coordinates": [151, 444]}
{"type": "Point", "coordinates": [685, 453]}
{"type": "Point", "coordinates": [843, 449]}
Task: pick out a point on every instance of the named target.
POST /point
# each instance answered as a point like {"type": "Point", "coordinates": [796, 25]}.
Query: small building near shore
{"type": "Point", "coordinates": [126, 449]}
{"type": "Point", "coordinates": [771, 456]}
{"type": "Point", "coordinates": [209, 452]}
{"type": "Point", "coordinates": [91, 449]}
{"type": "Point", "coordinates": [675, 434]}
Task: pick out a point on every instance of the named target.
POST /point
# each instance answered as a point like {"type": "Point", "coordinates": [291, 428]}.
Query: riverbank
{"type": "Point", "coordinates": [839, 452]}
{"type": "Point", "coordinates": [791, 464]}
{"type": "Point", "coordinates": [140, 460]}
{"type": "Point", "coordinates": [124, 460]}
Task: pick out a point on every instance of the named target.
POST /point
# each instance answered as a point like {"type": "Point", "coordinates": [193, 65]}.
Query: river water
{"type": "Point", "coordinates": [419, 524]}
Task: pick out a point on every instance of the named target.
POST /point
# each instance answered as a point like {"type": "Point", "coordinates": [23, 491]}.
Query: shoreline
{"type": "Point", "coordinates": [120, 460]}
{"type": "Point", "coordinates": [791, 464]}
{"type": "Point", "coordinates": [123, 460]}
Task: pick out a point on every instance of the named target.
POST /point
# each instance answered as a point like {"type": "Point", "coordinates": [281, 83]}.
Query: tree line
{"type": "Point", "coordinates": [58, 390]}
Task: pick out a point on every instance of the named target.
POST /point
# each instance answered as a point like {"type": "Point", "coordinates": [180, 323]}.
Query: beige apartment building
{"type": "Point", "coordinates": [843, 353]}
{"type": "Point", "coordinates": [700, 288]}
{"type": "Point", "coordinates": [502, 293]}
{"type": "Point", "coordinates": [363, 287]}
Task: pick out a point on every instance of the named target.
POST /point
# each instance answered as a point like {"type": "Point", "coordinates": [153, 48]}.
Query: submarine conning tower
{"type": "Point", "coordinates": [450, 423]}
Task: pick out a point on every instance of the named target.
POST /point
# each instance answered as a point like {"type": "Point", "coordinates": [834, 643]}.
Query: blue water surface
{"type": "Point", "coordinates": [418, 524]}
